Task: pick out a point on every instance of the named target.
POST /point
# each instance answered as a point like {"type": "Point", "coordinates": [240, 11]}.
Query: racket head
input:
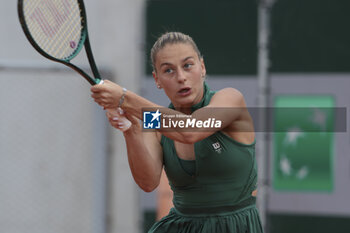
{"type": "Point", "coordinates": [57, 29]}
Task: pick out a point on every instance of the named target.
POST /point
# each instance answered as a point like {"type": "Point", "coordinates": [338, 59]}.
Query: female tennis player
{"type": "Point", "coordinates": [212, 172]}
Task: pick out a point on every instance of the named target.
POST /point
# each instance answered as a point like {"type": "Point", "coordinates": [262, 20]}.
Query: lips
{"type": "Point", "coordinates": [184, 91]}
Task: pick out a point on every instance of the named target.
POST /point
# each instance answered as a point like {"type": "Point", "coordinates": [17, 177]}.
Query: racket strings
{"type": "Point", "coordinates": [55, 25]}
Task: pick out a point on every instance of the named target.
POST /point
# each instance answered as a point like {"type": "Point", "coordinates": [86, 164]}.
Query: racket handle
{"type": "Point", "coordinates": [125, 123]}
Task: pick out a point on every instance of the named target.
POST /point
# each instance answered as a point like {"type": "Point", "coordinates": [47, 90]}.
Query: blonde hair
{"type": "Point", "coordinates": [171, 38]}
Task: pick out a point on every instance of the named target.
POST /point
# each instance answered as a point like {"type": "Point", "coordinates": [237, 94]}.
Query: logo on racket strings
{"type": "Point", "coordinates": [151, 120]}
{"type": "Point", "coordinates": [72, 44]}
{"type": "Point", "coordinates": [50, 16]}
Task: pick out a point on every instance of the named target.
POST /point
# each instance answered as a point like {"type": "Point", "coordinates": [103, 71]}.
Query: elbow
{"type": "Point", "coordinates": [148, 181]}
{"type": "Point", "coordinates": [148, 187]}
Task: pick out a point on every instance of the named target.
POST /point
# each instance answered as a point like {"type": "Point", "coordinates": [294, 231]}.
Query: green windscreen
{"type": "Point", "coordinates": [303, 147]}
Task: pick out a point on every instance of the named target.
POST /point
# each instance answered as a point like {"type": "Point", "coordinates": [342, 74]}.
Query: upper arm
{"type": "Point", "coordinates": [152, 143]}
{"type": "Point", "coordinates": [226, 106]}
{"type": "Point", "coordinates": [227, 98]}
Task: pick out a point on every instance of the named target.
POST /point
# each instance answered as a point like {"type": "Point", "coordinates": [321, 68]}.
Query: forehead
{"type": "Point", "coordinates": [175, 52]}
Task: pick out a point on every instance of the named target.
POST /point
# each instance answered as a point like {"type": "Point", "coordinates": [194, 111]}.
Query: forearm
{"type": "Point", "coordinates": [134, 104]}
{"type": "Point", "coordinates": [109, 96]}
{"type": "Point", "coordinates": [219, 115]}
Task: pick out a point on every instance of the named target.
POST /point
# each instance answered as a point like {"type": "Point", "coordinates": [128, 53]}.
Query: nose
{"type": "Point", "coordinates": [181, 77]}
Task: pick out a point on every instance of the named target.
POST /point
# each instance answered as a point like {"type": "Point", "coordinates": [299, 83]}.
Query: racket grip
{"type": "Point", "coordinates": [125, 123]}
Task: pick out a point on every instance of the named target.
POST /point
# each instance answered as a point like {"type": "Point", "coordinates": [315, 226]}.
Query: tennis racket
{"type": "Point", "coordinates": [57, 29]}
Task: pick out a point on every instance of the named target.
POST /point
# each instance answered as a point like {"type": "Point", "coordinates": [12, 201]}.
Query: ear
{"type": "Point", "coordinates": [154, 74]}
{"type": "Point", "coordinates": [204, 71]}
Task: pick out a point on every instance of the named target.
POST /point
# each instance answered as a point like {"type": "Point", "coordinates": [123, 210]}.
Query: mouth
{"type": "Point", "coordinates": [184, 91]}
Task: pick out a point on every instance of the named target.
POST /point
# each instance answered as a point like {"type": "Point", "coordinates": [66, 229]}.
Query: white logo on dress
{"type": "Point", "coordinates": [217, 147]}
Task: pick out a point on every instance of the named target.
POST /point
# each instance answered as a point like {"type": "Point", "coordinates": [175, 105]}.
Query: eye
{"type": "Point", "coordinates": [168, 70]}
{"type": "Point", "coordinates": [188, 65]}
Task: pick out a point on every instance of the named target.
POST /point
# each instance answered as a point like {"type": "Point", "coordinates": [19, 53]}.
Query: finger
{"type": "Point", "coordinates": [118, 125]}
{"type": "Point", "coordinates": [106, 81]}
{"type": "Point", "coordinates": [96, 96]}
{"type": "Point", "coordinates": [109, 105]}
{"type": "Point", "coordinates": [112, 114]}
{"type": "Point", "coordinates": [97, 88]}
{"type": "Point", "coordinates": [114, 123]}
{"type": "Point", "coordinates": [101, 103]}
{"type": "Point", "coordinates": [98, 101]}
{"type": "Point", "coordinates": [109, 115]}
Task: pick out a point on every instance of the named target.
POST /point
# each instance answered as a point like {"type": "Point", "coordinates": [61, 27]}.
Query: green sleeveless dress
{"type": "Point", "coordinates": [212, 194]}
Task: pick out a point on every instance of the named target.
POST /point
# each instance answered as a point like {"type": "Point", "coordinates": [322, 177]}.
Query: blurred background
{"type": "Point", "coordinates": [64, 169]}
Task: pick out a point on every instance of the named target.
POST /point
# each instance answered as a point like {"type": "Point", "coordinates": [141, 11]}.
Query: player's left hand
{"type": "Point", "coordinates": [118, 120]}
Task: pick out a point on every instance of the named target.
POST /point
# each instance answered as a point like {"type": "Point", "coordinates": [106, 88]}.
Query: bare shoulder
{"type": "Point", "coordinates": [241, 128]}
{"type": "Point", "coordinates": [230, 92]}
{"type": "Point", "coordinates": [227, 97]}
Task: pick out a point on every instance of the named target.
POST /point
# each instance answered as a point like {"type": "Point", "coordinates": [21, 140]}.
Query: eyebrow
{"type": "Point", "coordinates": [167, 63]}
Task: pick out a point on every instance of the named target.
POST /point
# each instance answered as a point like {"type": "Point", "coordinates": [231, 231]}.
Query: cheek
{"type": "Point", "coordinates": [165, 82]}
{"type": "Point", "coordinates": [198, 72]}
{"type": "Point", "coordinates": [197, 75]}
{"type": "Point", "coordinates": [168, 87]}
